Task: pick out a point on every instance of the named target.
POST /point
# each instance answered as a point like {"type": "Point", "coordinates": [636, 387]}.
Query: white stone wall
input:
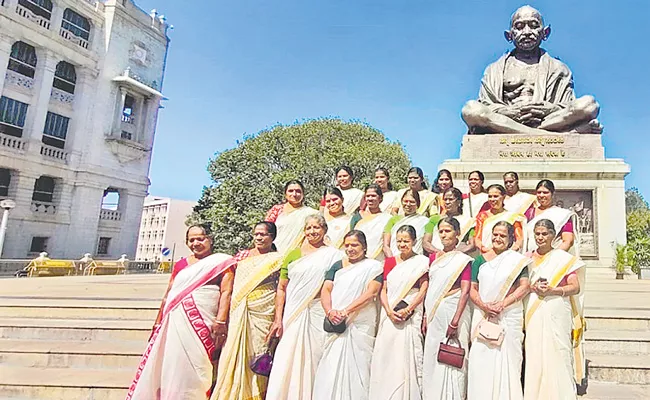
{"type": "Point", "coordinates": [93, 158]}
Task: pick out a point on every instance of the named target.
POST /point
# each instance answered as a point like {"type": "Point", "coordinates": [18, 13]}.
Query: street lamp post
{"type": "Point", "coordinates": [6, 205]}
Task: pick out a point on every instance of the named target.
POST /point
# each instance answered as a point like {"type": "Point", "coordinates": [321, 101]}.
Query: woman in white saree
{"type": "Point", "coordinates": [428, 199]}
{"type": "Point", "coordinates": [447, 315]}
{"type": "Point", "coordinates": [498, 286]}
{"type": "Point", "coordinates": [554, 321]}
{"type": "Point", "coordinates": [563, 220]}
{"type": "Point", "coordinates": [348, 297]}
{"type": "Point", "coordinates": [477, 196]}
{"type": "Point", "coordinates": [289, 216]}
{"type": "Point", "coordinates": [251, 316]}
{"type": "Point", "coordinates": [382, 179]}
{"type": "Point", "coordinates": [191, 326]}
{"type": "Point", "coordinates": [338, 222]}
{"type": "Point", "coordinates": [487, 219]}
{"type": "Point", "coordinates": [516, 201]}
{"type": "Point", "coordinates": [372, 222]}
{"type": "Point", "coordinates": [396, 369]}
{"type": "Point", "coordinates": [299, 314]}
{"type": "Point", "coordinates": [410, 204]}
{"type": "Point", "coordinates": [453, 200]}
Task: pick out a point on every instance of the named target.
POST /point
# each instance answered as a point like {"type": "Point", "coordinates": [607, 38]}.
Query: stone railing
{"type": "Point", "coordinates": [19, 80]}
{"type": "Point", "coordinates": [66, 34]}
{"type": "Point", "coordinates": [37, 19]}
{"type": "Point", "coordinates": [43, 207]}
{"type": "Point", "coordinates": [62, 96]}
{"type": "Point", "coordinates": [110, 215]}
{"type": "Point", "coordinates": [54, 152]}
{"type": "Point", "coordinates": [12, 142]}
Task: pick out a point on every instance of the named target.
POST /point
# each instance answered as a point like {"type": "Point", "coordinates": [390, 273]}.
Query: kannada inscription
{"type": "Point", "coordinates": [532, 147]}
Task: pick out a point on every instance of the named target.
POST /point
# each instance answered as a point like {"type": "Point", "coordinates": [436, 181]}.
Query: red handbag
{"type": "Point", "coordinates": [451, 355]}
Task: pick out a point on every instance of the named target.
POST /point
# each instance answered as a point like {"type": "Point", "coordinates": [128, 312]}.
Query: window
{"type": "Point", "coordinates": [102, 246]}
{"type": "Point", "coordinates": [65, 77]}
{"type": "Point", "coordinates": [128, 110]}
{"type": "Point", "coordinates": [39, 244]}
{"type": "Point", "coordinates": [5, 180]}
{"type": "Point", "coordinates": [111, 199]}
{"type": "Point", "coordinates": [23, 59]}
{"type": "Point", "coordinates": [76, 23]}
{"type": "Point", "coordinates": [12, 116]}
{"type": "Point", "coordinates": [38, 7]}
{"type": "Point", "coordinates": [56, 129]}
{"type": "Point", "coordinates": [126, 135]}
{"type": "Point", "coordinates": [44, 189]}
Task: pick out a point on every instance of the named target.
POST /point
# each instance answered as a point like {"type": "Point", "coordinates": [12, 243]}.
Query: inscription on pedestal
{"type": "Point", "coordinates": [540, 147]}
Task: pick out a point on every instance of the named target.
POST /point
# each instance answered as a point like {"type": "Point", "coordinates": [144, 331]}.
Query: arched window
{"type": "Point", "coordinates": [76, 23]}
{"type": "Point", "coordinates": [65, 77]}
{"type": "Point", "coordinates": [23, 59]}
{"type": "Point", "coordinates": [38, 7]}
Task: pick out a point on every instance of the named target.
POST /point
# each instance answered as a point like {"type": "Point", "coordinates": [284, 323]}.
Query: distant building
{"type": "Point", "coordinates": [80, 86]}
{"type": "Point", "coordinates": [163, 226]}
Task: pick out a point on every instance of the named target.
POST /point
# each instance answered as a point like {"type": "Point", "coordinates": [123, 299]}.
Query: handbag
{"type": "Point", "coordinates": [262, 363]}
{"type": "Point", "coordinates": [402, 305]}
{"type": "Point", "coordinates": [490, 333]}
{"type": "Point", "coordinates": [330, 327]}
{"type": "Point", "coordinates": [451, 355]}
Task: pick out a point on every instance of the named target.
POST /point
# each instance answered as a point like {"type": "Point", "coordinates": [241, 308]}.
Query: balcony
{"type": "Point", "coordinates": [28, 14]}
{"type": "Point", "coordinates": [43, 207]}
{"type": "Point", "coordinates": [79, 41]}
{"type": "Point", "coordinates": [54, 153]}
{"type": "Point", "coordinates": [110, 215]}
{"type": "Point", "coordinates": [19, 81]}
{"type": "Point", "coordinates": [62, 97]}
{"type": "Point", "coordinates": [11, 142]}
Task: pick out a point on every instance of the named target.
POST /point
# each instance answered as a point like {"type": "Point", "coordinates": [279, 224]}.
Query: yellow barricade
{"type": "Point", "coordinates": [47, 267]}
{"type": "Point", "coordinates": [164, 267]}
{"type": "Point", "coordinates": [105, 268]}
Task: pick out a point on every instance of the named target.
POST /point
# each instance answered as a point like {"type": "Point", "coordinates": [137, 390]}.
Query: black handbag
{"type": "Point", "coordinates": [330, 327]}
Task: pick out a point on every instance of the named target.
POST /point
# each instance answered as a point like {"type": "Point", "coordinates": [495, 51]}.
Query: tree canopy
{"type": "Point", "coordinates": [634, 201]}
{"type": "Point", "coordinates": [249, 179]}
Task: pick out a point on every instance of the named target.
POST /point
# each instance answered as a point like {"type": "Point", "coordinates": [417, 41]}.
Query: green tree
{"type": "Point", "coordinates": [248, 180]}
{"type": "Point", "coordinates": [634, 201]}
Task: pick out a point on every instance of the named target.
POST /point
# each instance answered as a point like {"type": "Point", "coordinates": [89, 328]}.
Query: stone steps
{"type": "Point", "coordinates": [623, 342]}
{"type": "Point", "coordinates": [616, 391]}
{"type": "Point", "coordinates": [75, 338]}
{"type": "Point", "coordinates": [63, 354]}
{"type": "Point", "coordinates": [68, 384]}
{"type": "Point", "coordinates": [619, 368]}
{"type": "Point", "coordinates": [77, 312]}
{"type": "Point", "coordinates": [74, 329]}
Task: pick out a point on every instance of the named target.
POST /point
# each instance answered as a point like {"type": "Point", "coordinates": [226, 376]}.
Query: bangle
{"type": "Point", "coordinates": [562, 288]}
{"type": "Point", "coordinates": [220, 322]}
{"type": "Point", "coordinates": [344, 312]}
{"type": "Point", "coordinates": [329, 312]}
{"type": "Point", "coordinates": [453, 326]}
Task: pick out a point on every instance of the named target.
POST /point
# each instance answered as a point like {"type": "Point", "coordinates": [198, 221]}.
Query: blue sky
{"type": "Point", "coordinates": [405, 67]}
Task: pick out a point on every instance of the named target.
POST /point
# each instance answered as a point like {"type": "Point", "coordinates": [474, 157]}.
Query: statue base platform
{"type": "Point", "coordinates": [586, 182]}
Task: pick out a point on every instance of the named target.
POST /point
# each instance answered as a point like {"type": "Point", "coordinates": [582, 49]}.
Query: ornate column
{"type": "Point", "coordinates": [5, 50]}
{"type": "Point", "coordinates": [78, 143]}
{"type": "Point", "coordinates": [37, 111]}
{"type": "Point", "coordinates": [117, 118]}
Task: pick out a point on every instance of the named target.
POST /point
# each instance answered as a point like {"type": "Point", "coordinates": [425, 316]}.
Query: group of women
{"type": "Point", "coordinates": [381, 294]}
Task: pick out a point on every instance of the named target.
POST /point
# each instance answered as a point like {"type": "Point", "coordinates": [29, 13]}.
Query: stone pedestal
{"type": "Point", "coordinates": [587, 182]}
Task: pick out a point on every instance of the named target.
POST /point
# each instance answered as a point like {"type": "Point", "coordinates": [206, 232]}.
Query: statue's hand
{"type": "Point", "coordinates": [512, 112]}
{"type": "Point", "coordinates": [540, 110]}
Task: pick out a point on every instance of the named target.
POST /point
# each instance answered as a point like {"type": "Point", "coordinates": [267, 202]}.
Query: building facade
{"type": "Point", "coordinates": [81, 87]}
{"type": "Point", "coordinates": [163, 226]}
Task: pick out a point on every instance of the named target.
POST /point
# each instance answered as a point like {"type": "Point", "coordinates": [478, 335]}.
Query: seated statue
{"type": "Point", "coordinates": [528, 91]}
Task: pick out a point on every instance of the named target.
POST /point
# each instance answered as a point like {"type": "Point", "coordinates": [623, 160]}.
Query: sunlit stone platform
{"type": "Point", "coordinates": [80, 338]}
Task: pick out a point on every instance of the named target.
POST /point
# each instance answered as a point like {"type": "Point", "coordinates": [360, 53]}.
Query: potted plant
{"type": "Point", "coordinates": [641, 248]}
{"type": "Point", "coordinates": [624, 257]}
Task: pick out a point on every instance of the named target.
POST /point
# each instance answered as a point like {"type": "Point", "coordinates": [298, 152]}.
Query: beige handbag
{"type": "Point", "coordinates": [490, 333]}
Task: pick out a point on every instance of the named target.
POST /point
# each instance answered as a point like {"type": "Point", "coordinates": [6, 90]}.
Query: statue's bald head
{"type": "Point", "coordinates": [526, 12]}
{"type": "Point", "coordinates": [527, 29]}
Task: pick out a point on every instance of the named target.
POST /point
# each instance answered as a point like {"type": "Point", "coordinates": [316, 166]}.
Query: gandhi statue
{"type": "Point", "coordinates": [528, 91]}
